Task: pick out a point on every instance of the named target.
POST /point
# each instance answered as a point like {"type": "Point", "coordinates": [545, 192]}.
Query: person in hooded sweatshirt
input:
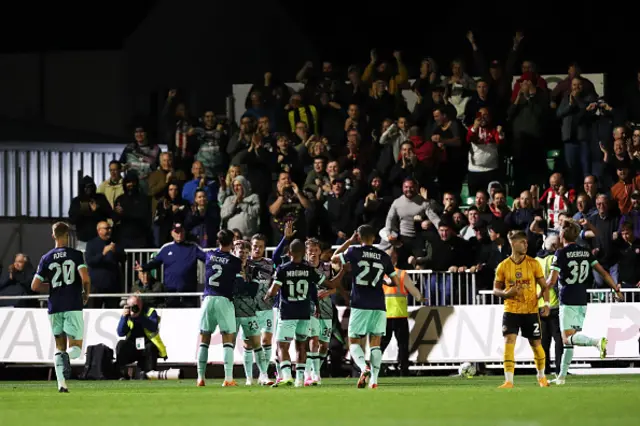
{"type": "Point", "coordinates": [132, 215]}
{"type": "Point", "coordinates": [86, 210]}
{"type": "Point", "coordinates": [241, 210]}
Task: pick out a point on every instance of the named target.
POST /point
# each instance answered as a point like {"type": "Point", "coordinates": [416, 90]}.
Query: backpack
{"type": "Point", "coordinates": [99, 364]}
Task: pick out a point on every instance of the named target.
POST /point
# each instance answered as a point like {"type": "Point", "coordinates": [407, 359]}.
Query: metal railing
{"type": "Point", "coordinates": [596, 295]}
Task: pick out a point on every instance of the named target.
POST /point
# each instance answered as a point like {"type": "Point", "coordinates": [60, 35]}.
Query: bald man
{"type": "Point", "coordinates": [104, 257]}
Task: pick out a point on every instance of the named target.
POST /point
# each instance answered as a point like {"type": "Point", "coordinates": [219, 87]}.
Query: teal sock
{"type": "Point", "coordinates": [74, 352]}
{"type": "Point", "coordinates": [567, 357]}
{"type": "Point", "coordinates": [580, 339]}
{"type": "Point", "coordinates": [376, 361]}
{"type": "Point", "coordinates": [267, 353]}
{"type": "Point", "coordinates": [285, 370]}
{"type": "Point", "coordinates": [261, 361]}
{"type": "Point", "coordinates": [203, 358]}
{"type": "Point", "coordinates": [279, 368]}
{"type": "Point", "coordinates": [227, 349]}
{"type": "Point", "coordinates": [315, 364]}
{"type": "Point", "coordinates": [308, 365]}
{"type": "Point", "coordinates": [300, 372]}
{"type": "Point", "coordinates": [248, 363]}
{"type": "Point", "coordinates": [59, 367]}
{"type": "Point", "coordinates": [358, 356]}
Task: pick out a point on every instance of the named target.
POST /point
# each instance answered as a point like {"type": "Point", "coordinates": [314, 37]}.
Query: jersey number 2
{"type": "Point", "coordinates": [67, 270]}
{"type": "Point", "coordinates": [217, 271]}
{"type": "Point", "coordinates": [360, 279]}
{"type": "Point", "coordinates": [579, 272]}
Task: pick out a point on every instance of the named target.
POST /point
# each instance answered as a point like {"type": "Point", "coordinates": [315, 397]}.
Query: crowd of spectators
{"type": "Point", "coordinates": [444, 181]}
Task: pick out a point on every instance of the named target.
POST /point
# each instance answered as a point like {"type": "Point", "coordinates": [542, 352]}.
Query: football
{"type": "Point", "coordinates": [467, 369]}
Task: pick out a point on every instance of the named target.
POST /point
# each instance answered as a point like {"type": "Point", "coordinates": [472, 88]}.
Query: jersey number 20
{"type": "Point", "coordinates": [579, 272]}
{"type": "Point", "coordinates": [67, 270]}
{"type": "Point", "coordinates": [361, 279]}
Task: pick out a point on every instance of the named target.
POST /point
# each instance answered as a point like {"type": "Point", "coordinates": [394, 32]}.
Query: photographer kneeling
{"type": "Point", "coordinates": [142, 344]}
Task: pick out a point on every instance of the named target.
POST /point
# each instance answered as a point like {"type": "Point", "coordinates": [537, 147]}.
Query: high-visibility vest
{"type": "Point", "coordinates": [154, 337]}
{"type": "Point", "coordinates": [396, 298]}
{"type": "Point", "coordinates": [545, 263]}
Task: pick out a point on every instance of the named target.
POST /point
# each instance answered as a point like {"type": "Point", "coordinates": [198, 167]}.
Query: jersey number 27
{"type": "Point", "coordinates": [366, 277]}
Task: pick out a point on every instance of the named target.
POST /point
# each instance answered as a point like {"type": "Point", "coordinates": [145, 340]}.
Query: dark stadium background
{"type": "Point", "coordinates": [205, 46]}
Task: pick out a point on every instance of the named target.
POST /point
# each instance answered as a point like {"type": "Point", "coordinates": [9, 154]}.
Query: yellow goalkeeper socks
{"type": "Point", "coordinates": [509, 361]}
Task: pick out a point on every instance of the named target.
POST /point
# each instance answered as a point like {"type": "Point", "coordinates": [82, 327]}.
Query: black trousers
{"type": "Point", "coordinates": [551, 329]}
{"type": "Point", "coordinates": [127, 353]}
{"type": "Point", "coordinates": [399, 327]}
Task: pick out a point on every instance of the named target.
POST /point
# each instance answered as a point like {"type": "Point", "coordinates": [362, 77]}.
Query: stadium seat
{"type": "Point", "coordinates": [464, 193]}
{"type": "Point", "coordinates": [551, 159]}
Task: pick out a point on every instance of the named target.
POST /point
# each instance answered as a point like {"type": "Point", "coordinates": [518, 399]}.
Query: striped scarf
{"type": "Point", "coordinates": [181, 138]}
{"type": "Point", "coordinates": [307, 114]}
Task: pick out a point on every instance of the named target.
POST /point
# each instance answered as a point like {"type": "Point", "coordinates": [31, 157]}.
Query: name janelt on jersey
{"type": "Point", "coordinates": [371, 255]}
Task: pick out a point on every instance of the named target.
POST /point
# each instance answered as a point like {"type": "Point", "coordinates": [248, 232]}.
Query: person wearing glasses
{"type": "Point", "coordinates": [104, 257]}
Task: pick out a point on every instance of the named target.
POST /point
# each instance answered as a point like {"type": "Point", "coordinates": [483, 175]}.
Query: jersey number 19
{"type": "Point", "coordinates": [298, 290]}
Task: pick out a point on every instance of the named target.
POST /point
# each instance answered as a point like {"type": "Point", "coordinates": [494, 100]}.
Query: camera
{"type": "Point", "coordinates": [133, 308]}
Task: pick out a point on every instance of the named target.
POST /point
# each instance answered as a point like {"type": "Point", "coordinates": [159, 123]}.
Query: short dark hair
{"type": "Point", "coordinates": [116, 162]}
{"type": "Point", "coordinates": [366, 232]}
{"type": "Point", "coordinates": [296, 248]}
{"type": "Point", "coordinates": [225, 237]}
{"type": "Point", "coordinates": [259, 237]}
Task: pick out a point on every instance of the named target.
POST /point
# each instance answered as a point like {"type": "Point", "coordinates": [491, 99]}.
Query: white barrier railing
{"type": "Point", "coordinates": [438, 289]}
{"type": "Point", "coordinates": [596, 295]}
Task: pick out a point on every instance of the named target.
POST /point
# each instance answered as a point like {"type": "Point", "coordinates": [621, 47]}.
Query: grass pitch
{"type": "Point", "coordinates": [442, 401]}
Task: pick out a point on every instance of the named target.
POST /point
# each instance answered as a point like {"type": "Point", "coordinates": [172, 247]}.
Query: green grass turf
{"type": "Point", "coordinates": [443, 401]}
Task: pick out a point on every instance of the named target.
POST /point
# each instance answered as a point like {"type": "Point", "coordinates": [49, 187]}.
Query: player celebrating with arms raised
{"type": "Point", "coordinates": [69, 287]}
{"type": "Point", "coordinates": [571, 267]}
{"type": "Point", "coordinates": [297, 283]}
{"type": "Point", "coordinates": [515, 281]}
{"type": "Point", "coordinates": [369, 265]}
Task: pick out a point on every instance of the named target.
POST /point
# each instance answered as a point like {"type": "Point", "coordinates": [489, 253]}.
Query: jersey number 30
{"type": "Point", "coordinates": [579, 272]}
{"type": "Point", "coordinates": [67, 270]}
{"type": "Point", "coordinates": [363, 277]}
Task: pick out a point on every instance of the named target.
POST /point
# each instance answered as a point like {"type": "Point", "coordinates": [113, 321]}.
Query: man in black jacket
{"type": "Point", "coordinates": [104, 258]}
{"type": "Point", "coordinates": [86, 210]}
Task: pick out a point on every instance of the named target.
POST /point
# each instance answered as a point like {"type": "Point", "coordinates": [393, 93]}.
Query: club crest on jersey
{"type": "Point", "coordinates": [518, 274]}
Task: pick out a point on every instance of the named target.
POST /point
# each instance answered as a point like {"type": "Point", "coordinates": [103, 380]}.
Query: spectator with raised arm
{"type": "Point", "coordinates": [287, 203]}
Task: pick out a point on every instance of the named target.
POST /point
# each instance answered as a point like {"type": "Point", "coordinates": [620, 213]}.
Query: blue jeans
{"type": "Point", "coordinates": [439, 291]}
{"type": "Point", "coordinates": [598, 281]}
{"type": "Point", "coordinates": [577, 158]}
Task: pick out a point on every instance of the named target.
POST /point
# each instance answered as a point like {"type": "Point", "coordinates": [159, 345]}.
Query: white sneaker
{"type": "Point", "coordinates": [299, 384]}
{"type": "Point", "coordinates": [249, 382]}
{"type": "Point", "coordinates": [557, 381]}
